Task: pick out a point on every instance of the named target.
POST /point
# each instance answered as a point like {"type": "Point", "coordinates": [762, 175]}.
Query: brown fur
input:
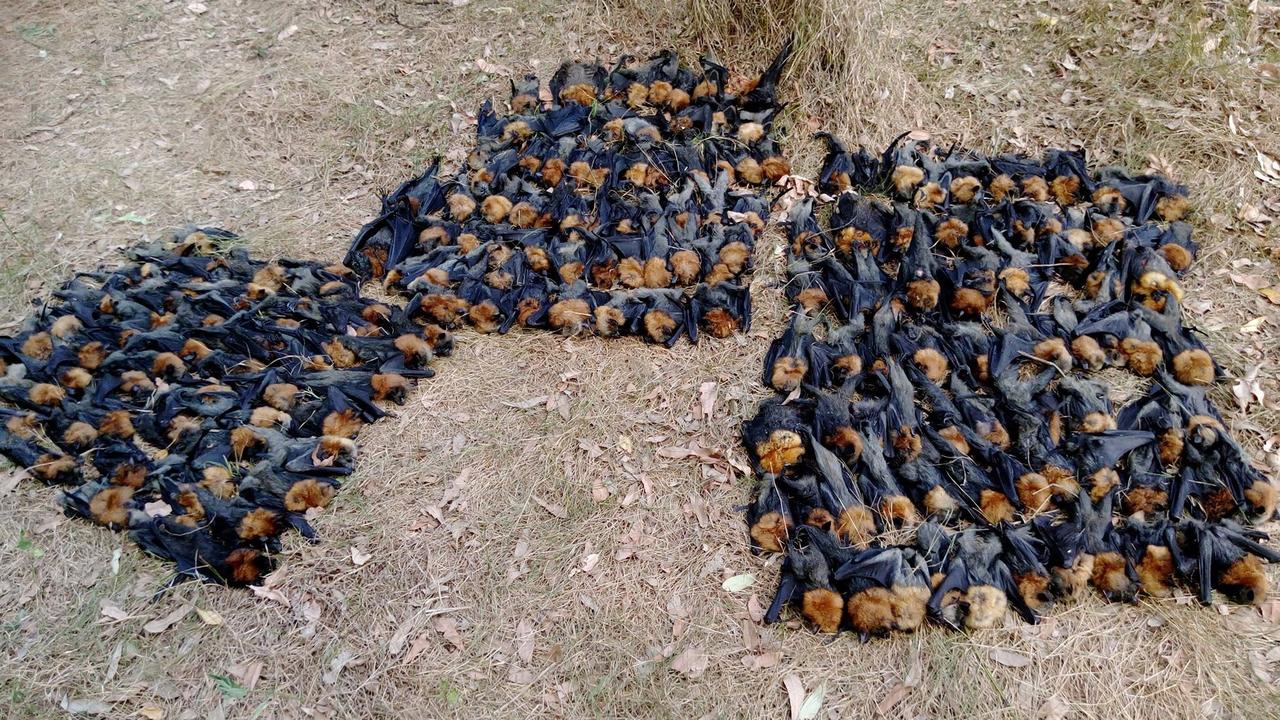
{"type": "Point", "coordinates": [1178, 257]}
{"type": "Point", "coordinates": [871, 611]}
{"type": "Point", "coordinates": [264, 416]}
{"type": "Point", "coordinates": [1143, 357]}
{"type": "Point", "coordinates": [192, 348]}
{"type": "Point", "coordinates": [1034, 492]}
{"type": "Point", "coordinates": [823, 607]}
{"type": "Point", "coordinates": [1146, 500]}
{"type": "Point", "coordinates": [570, 272]}
{"type": "Point", "coordinates": [340, 354]}
{"type": "Point", "coordinates": [280, 396]}
{"type": "Point", "coordinates": [720, 323]}
{"type": "Point", "coordinates": [76, 378]}
{"type": "Point", "coordinates": [659, 326]}
{"type": "Point", "coordinates": [609, 321]}
{"type": "Point", "coordinates": [495, 208]}
{"type": "Point", "coordinates": [1107, 230]}
{"type": "Point", "coordinates": [306, 494]}
{"type": "Point", "coordinates": [750, 132]}
{"type": "Point", "coordinates": [270, 277]}
{"type": "Point", "coordinates": [414, 348]}
{"type": "Point", "coordinates": [848, 364]}
{"type": "Point", "coordinates": [53, 468]}
{"type": "Point", "coordinates": [905, 179]}
{"type": "Point", "coordinates": [1109, 575]}
{"type": "Point", "coordinates": [906, 444]}
{"type": "Point", "coordinates": [582, 93]}
{"type": "Point", "coordinates": [65, 325]}
{"type": "Point", "coordinates": [1244, 581]}
{"type": "Point", "coordinates": [110, 506]}
{"type": "Point", "coordinates": [91, 355]}
{"type": "Point", "coordinates": [932, 363]}
{"type": "Point", "coordinates": [1155, 571]}
{"type": "Point", "coordinates": [631, 272]}
{"type": "Point", "coordinates": [930, 196]}
{"type": "Point", "coordinates": [995, 506]}
{"type": "Point", "coordinates": [923, 294]}
{"type": "Point", "coordinates": [258, 523]}
{"type": "Point", "coordinates": [996, 434]}
{"type": "Point", "coordinates": [461, 206]}
{"type": "Point", "coordinates": [80, 434]}
{"type": "Point", "coordinates": [987, 605]}
{"type": "Point", "coordinates": [749, 170]}
{"type": "Point", "coordinates": [788, 373]}
{"type": "Point", "coordinates": [857, 525]}
{"type": "Point", "coordinates": [1064, 188]}
{"type": "Point", "coordinates": [964, 189]}
{"type": "Point", "coordinates": [1262, 497]}
{"type": "Point", "coordinates": [523, 215]}
{"type": "Point", "coordinates": [812, 299]}
{"type": "Point", "coordinates": [1193, 367]}
{"type": "Point", "coordinates": [951, 232]}
{"type": "Point", "coordinates": [433, 236]}
{"type": "Point", "coordinates": [953, 435]}
{"type": "Point", "coordinates": [770, 531]}
{"type": "Point", "coordinates": [656, 274]}
{"type": "Point", "coordinates": [686, 265]}
{"type": "Point", "coordinates": [719, 273]}
{"type": "Point", "coordinates": [1101, 483]}
{"type": "Point", "coordinates": [779, 451]}
{"type": "Point", "coordinates": [1062, 480]}
{"type": "Point", "coordinates": [342, 423]}
{"type": "Point", "coordinates": [1096, 422]}
{"type": "Point", "coordinates": [846, 441]}
{"type": "Point", "coordinates": [485, 317]}
{"type": "Point", "coordinates": [636, 174]}
{"type": "Point", "coordinates": [775, 168]}
{"type": "Point", "coordinates": [38, 345]}
{"type": "Point", "coordinates": [129, 475]}
{"type": "Point", "coordinates": [898, 511]}
{"type": "Point", "coordinates": [1172, 207]}
{"type": "Point", "coordinates": [735, 255]}
{"type": "Point", "coordinates": [168, 365]}
{"type": "Point", "coordinates": [1169, 446]}
{"type": "Point", "coordinates": [46, 394]}
{"type": "Point", "coordinates": [1001, 186]}
{"type": "Point", "coordinates": [23, 426]}
{"type": "Point", "coordinates": [939, 503]}
{"type": "Point", "coordinates": [218, 482]}
{"type": "Point", "coordinates": [117, 423]}
{"type": "Point", "coordinates": [1035, 188]}
{"type": "Point", "coordinates": [1054, 350]}
{"type": "Point", "coordinates": [569, 316]}
{"type": "Point", "coordinates": [1034, 589]}
{"type": "Point", "coordinates": [1088, 353]}
{"type": "Point", "coordinates": [243, 439]}
{"type": "Point", "coordinates": [1218, 504]}
{"type": "Point", "coordinates": [969, 302]}
{"type": "Point", "coordinates": [244, 566]}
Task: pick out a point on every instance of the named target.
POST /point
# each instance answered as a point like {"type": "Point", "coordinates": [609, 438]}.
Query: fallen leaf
{"type": "Point", "coordinates": [159, 508]}
{"type": "Point", "coordinates": [287, 33]}
{"type": "Point", "coordinates": [1248, 390]}
{"type": "Point", "coordinates": [1053, 709]}
{"type": "Point", "coordinates": [112, 610]}
{"type": "Point", "coordinates": [1272, 294]}
{"type": "Point", "coordinates": [270, 593]}
{"type": "Point", "coordinates": [528, 404]}
{"type": "Point", "coordinates": [492, 68]}
{"type": "Point", "coordinates": [520, 676]}
{"type": "Point", "coordinates": [359, 557]}
{"type": "Point", "coordinates": [209, 617]}
{"type": "Point", "coordinates": [197, 8]}
{"type": "Point", "coordinates": [691, 663]}
{"type": "Point", "coordinates": [151, 712]}
{"type": "Point", "coordinates": [708, 392]}
{"type": "Point", "coordinates": [85, 706]}
{"type": "Point", "coordinates": [448, 629]}
{"type": "Point", "coordinates": [755, 610]}
{"type": "Point", "coordinates": [159, 625]}
{"type": "Point", "coordinates": [336, 666]}
{"type": "Point", "coordinates": [1009, 658]}
{"type": "Point", "coordinates": [795, 693]}
{"type": "Point", "coordinates": [556, 510]}
{"type": "Point", "coordinates": [1253, 326]}
{"type": "Point", "coordinates": [738, 583]}
{"type": "Point", "coordinates": [891, 699]}
{"type": "Point", "coordinates": [674, 453]}
{"type": "Point", "coordinates": [247, 673]}
{"type": "Point", "coordinates": [524, 640]}
{"type": "Point", "coordinates": [10, 480]}
{"type": "Point", "coordinates": [624, 444]}
{"type": "Point", "coordinates": [812, 704]}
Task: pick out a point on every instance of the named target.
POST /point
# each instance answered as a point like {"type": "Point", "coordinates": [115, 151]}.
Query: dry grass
{"type": "Point", "coordinates": [147, 108]}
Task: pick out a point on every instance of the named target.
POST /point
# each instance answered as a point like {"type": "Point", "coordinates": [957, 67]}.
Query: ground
{"type": "Point", "coordinates": [547, 526]}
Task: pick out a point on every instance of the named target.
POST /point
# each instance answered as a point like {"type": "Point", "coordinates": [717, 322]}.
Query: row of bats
{"type": "Point", "coordinates": [936, 382]}
{"type": "Point", "coordinates": [942, 447]}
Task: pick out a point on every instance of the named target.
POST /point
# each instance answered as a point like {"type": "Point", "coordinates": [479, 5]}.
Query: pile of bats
{"type": "Point", "coordinates": [627, 203]}
{"type": "Point", "coordinates": [946, 448]}
{"type": "Point", "coordinates": [204, 401]}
